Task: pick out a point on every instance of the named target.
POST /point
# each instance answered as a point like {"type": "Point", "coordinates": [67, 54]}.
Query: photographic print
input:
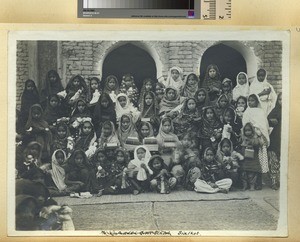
{"type": "Point", "coordinates": [181, 133]}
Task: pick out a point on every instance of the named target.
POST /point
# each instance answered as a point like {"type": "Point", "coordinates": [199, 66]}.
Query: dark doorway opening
{"type": "Point", "coordinates": [129, 58]}
{"type": "Point", "coordinates": [229, 61]}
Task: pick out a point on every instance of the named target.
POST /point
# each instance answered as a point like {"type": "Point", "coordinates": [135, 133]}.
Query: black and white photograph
{"type": "Point", "coordinates": [146, 133]}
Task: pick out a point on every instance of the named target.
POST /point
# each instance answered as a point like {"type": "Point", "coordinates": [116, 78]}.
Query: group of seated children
{"type": "Point", "coordinates": [105, 138]}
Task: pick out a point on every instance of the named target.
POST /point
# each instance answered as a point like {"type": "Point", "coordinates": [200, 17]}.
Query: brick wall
{"type": "Point", "coordinates": [86, 57]}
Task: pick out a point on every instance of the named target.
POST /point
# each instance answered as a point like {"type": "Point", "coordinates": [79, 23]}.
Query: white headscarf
{"type": "Point", "coordinates": [58, 173]}
{"type": "Point", "coordinates": [129, 108]}
{"type": "Point", "coordinates": [267, 101]}
{"type": "Point", "coordinates": [241, 90]}
{"type": "Point", "coordinates": [257, 117]}
{"type": "Point", "coordinates": [141, 176]}
{"type": "Point", "coordinates": [178, 83]}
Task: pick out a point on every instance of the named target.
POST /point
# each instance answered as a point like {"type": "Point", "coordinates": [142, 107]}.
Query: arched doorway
{"type": "Point", "coordinates": [129, 58]}
{"type": "Point", "coordinates": [229, 61]}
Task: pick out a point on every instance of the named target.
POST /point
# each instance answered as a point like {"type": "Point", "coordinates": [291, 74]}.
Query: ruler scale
{"type": "Point", "coordinates": [215, 9]}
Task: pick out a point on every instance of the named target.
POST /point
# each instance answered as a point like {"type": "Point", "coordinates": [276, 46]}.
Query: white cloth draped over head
{"type": "Point", "coordinates": [58, 173]}
{"type": "Point", "coordinates": [267, 101]}
{"type": "Point", "coordinates": [257, 117]}
{"type": "Point", "coordinates": [178, 83]}
{"type": "Point", "coordinates": [128, 109]}
{"type": "Point", "coordinates": [241, 90]}
{"type": "Point", "coordinates": [141, 175]}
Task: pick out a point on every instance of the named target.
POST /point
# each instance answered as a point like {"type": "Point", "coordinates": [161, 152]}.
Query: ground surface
{"type": "Point", "coordinates": [259, 212]}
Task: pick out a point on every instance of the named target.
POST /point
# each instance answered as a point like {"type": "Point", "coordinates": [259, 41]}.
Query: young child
{"type": "Point", "coordinates": [104, 111]}
{"type": "Point", "coordinates": [174, 78]}
{"type": "Point", "coordinates": [138, 169]}
{"type": "Point", "coordinates": [169, 102]}
{"type": "Point", "coordinates": [148, 106]}
{"type": "Point", "coordinates": [87, 135]}
{"type": "Point", "coordinates": [211, 180]}
{"type": "Point", "coordinates": [111, 87]}
{"type": "Point", "coordinates": [79, 112]}
{"type": "Point", "coordinates": [210, 130]}
{"type": "Point", "coordinates": [274, 149]}
{"type": "Point", "coordinates": [75, 89]}
{"type": "Point", "coordinates": [124, 106]}
{"type": "Point", "coordinates": [30, 96]}
{"type": "Point", "coordinates": [242, 86]}
{"type": "Point", "coordinates": [167, 140]}
{"type": "Point", "coordinates": [264, 90]}
{"type": "Point", "coordinates": [145, 130]}
{"type": "Point", "coordinates": [240, 107]}
{"type": "Point", "coordinates": [51, 86]}
{"type": "Point", "coordinates": [229, 160]}
{"type": "Point", "coordinates": [221, 105]}
{"type": "Point", "coordinates": [108, 135]}
{"type": "Point", "coordinates": [159, 92]}
{"type": "Point", "coordinates": [161, 180]}
{"type": "Point", "coordinates": [129, 88]}
{"type": "Point", "coordinates": [38, 129]}
{"type": "Point", "coordinates": [148, 86]}
{"type": "Point", "coordinates": [58, 175]}
{"type": "Point", "coordinates": [212, 82]}
{"type": "Point", "coordinates": [191, 86]}
{"type": "Point", "coordinates": [94, 91]}
{"type": "Point", "coordinates": [227, 89]}
{"type": "Point", "coordinates": [53, 110]}
{"type": "Point", "coordinates": [126, 129]}
{"type": "Point", "coordinates": [231, 126]}
{"type": "Point", "coordinates": [202, 100]}
{"type": "Point", "coordinates": [250, 167]}
{"type": "Point", "coordinates": [188, 119]}
{"type": "Point", "coordinates": [78, 168]}
{"type": "Point", "coordinates": [60, 137]}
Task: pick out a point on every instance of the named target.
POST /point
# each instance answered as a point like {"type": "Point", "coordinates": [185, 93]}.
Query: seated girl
{"type": "Point", "coordinates": [61, 187]}
{"type": "Point", "coordinates": [138, 169]}
{"type": "Point", "coordinates": [75, 89]}
{"type": "Point", "coordinates": [150, 110]}
{"type": "Point", "coordinates": [161, 180]}
{"type": "Point", "coordinates": [221, 104]}
{"type": "Point", "coordinates": [167, 140]}
{"type": "Point", "coordinates": [212, 82]}
{"type": "Point", "coordinates": [188, 118]}
{"type": "Point", "coordinates": [148, 86]}
{"type": "Point", "coordinates": [79, 112]}
{"type": "Point", "coordinates": [60, 137]}
{"type": "Point", "coordinates": [191, 85]}
{"type": "Point", "coordinates": [30, 96]}
{"type": "Point", "coordinates": [129, 88]}
{"type": "Point", "coordinates": [202, 100]}
{"type": "Point", "coordinates": [94, 92]}
{"type": "Point", "coordinates": [124, 106]}
{"type": "Point", "coordinates": [229, 160]}
{"type": "Point", "coordinates": [104, 111]}
{"type": "Point", "coordinates": [242, 86]}
{"type": "Point", "coordinates": [145, 130]}
{"type": "Point", "coordinates": [250, 167]}
{"type": "Point", "coordinates": [240, 107]}
{"type": "Point", "coordinates": [78, 168]}
{"type": "Point", "coordinates": [226, 89]}
{"type": "Point", "coordinates": [210, 179]}
{"type": "Point", "coordinates": [108, 135]}
{"type": "Point", "coordinates": [87, 136]}
{"type": "Point", "coordinates": [111, 87]}
{"type": "Point", "coordinates": [126, 129]}
{"type": "Point", "coordinates": [37, 129]}
{"type": "Point", "coordinates": [174, 78]}
{"type": "Point", "coordinates": [231, 127]}
{"type": "Point", "coordinates": [210, 130]}
{"type": "Point", "coordinates": [53, 111]}
{"type": "Point", "coordinates": [170, 101]}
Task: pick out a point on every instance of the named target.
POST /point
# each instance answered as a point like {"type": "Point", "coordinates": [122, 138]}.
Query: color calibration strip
{"type": "Point", "coordinates": [215, 9]}
{"type": "Point", "coordinates": [139, 4]}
